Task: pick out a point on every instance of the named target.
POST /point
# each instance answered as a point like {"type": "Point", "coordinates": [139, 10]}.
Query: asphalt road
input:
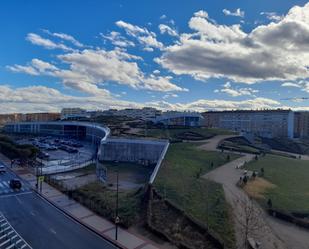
{"type": "Point", "coordinates": [44, 226]}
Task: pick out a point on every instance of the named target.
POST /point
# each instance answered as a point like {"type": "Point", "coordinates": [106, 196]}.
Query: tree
{"type": "Point", "coordinates": [250, 221]}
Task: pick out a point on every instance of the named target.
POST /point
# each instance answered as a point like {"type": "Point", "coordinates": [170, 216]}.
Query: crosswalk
{"type": "Point", "coordinates": [9, 238]}
{"type": "Point", "coordinates": [6, 189]}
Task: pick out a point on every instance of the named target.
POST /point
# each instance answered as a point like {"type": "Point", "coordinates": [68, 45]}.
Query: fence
{"type": "Point", "coordinates": [158, 165]}
{"type": "Point", "coordinates": [68, 166]}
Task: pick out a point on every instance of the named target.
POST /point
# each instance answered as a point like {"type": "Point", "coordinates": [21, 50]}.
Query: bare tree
{"type": "Point", "coordinates": [250, 221]}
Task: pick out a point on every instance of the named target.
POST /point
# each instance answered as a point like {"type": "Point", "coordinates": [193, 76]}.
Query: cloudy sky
{"type": "Point", "coordinates": [177, 54]}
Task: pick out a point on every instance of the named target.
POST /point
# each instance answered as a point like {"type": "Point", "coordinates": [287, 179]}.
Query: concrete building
{"type": "Point", "coordinates": [79, 130]}
{"type": "Point", "coordinates": [132, 150]}
{"type": "Point", "coordinates": [265, 123]}
{"type": "Point", "coordinates": [73, 113]}
{"type": "Point", "coordinates": [28, 117]}
{"type": "Point", "coordinates": [301, 124]}
{"type": "Point", "coordinates": [144, 113]}
{"type": "Point", "coordinates": [190, 119]}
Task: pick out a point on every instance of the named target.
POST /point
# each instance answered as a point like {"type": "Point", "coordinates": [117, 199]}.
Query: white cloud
{"type": "Point", "coordinates": [173, 95]}
{"type": "Point", "coordinates": [118, 40]}
{"type": "Point", "coordinates": [46, 43]}
{"type": "Point", "coordinates": [201, 13]}
{"type": "Point", "coordinates": [277, 51]}
{"type": "Point", "coordinates": [163, 17]}
{"type": "Point", "coordinates": [236, 92]}
{"type": "Point", "coordinates": [65, 37]}
{"type": "Point", "coordinates": [168, 30]}
{"type": "Point", "coordinates": [43, 99]}
{"type": "Point", "coordinates": [272, 16]}
{"type": "Point", "coordinates": [237, 12]}
{"type": "Point", "coordinates": [144, 36]}
{"type": "Point", "coordinates": [290, 84]}
{"type": "Point", "coordinates": [88, 68]}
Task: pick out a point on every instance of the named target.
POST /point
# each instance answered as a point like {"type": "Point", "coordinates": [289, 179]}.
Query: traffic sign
{"type": "Point", "coordinates": [41, 178]}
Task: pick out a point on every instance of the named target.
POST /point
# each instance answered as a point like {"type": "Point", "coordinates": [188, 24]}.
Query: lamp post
{"type": "Point", "coordinates": [117, 198]}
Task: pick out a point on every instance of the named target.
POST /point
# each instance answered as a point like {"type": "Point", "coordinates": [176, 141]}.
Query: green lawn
{"type": "Point", "coordinates": [172, 133]}
{"type": "Point", "coordinates": [177, 180]}
{"type": "Point", "coordinates": [103, 201]}
{"type": "Point", "coordinates": [291, 179]}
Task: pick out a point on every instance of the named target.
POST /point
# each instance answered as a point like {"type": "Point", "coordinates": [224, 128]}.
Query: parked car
{"type": "Point", "coordinates": [2, 169]}
{"type": "Point", "coordinates": [15, 184]}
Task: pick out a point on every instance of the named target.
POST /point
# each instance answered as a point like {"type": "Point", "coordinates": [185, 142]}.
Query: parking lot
{"type": "Point", "coordinates": [57, 154]}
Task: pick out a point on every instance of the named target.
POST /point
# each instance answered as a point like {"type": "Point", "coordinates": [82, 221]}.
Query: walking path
{"type": "Point", "coordinates": [105, 228]}
{"type": "Point", "coordinates": [273, 233]}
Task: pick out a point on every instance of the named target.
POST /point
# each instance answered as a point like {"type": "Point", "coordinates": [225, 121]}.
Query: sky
{"type": "Point", "coordinates": [182, 55]}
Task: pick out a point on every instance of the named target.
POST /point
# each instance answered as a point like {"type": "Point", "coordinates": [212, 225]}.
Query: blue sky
{"type": "Point", "coordinates": [185, 55]}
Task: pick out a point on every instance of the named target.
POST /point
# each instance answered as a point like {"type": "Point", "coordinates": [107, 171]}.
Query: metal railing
{"type": "Point", "coordinates": [9, 238]}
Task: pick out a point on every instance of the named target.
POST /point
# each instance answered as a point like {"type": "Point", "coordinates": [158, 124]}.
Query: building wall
{"type": "Point", "coordinates": [266, 123]}
{"type": "Point", "coordinates": [29, 117]}
{"type": "Point", "coordinates": [131, 150]}
{"type": "Point", "coordinates": [301, 122]}
{"type": "Point", "coordinates": [189, 119]}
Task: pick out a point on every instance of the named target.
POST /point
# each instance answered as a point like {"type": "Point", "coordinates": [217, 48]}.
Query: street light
{"type": "Point", "coordinates": [117, 220]}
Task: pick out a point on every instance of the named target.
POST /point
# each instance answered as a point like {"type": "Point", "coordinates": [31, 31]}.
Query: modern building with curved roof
{"type": "Point", "coordinates": [191, 119]}
{"type": "Point", "coordinates": [80, 130]}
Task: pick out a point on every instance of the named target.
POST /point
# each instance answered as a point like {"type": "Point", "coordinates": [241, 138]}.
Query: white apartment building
{"type": "Point", "coordinates": [264, 123]}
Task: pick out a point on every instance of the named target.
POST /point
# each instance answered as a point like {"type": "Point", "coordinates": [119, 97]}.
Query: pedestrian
{"type": "Point", "coordinates": [269, 204]}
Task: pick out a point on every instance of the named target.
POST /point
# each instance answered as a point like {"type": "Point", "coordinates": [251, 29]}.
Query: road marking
{"type": "Point", "coordinates": [16, 194]}
{"type": "Point", "coordinates": [32, 213]}
{"type": "Point", "coordinates": [52, 231]}
{"type": "Point", "coordinates": [19, 201]}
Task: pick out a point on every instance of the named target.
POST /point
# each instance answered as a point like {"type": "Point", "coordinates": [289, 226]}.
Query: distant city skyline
{"type": "Point", "coordinates": [170, 55]}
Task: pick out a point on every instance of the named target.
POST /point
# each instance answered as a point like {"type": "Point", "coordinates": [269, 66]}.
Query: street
{"type": "Point", "coordinates": [42, 225]}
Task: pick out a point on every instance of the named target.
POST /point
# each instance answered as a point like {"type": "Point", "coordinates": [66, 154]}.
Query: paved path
{"type": "Point", "coordinates": [85, 216]}
{"type": "Point", "coordinates": [273, 233]}
{"type": "Point", "coordinates": [212, 144]}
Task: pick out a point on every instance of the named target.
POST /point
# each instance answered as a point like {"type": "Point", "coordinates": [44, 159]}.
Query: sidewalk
{"type": "Point", "coordinates": [105, 228]}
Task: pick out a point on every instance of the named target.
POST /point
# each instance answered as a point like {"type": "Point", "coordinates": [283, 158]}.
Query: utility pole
{"type": "Point", "coordinates": [117, 198]}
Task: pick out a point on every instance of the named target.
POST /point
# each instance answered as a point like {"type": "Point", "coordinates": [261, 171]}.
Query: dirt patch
{"type": "Point", "coordinates": [256, 188]}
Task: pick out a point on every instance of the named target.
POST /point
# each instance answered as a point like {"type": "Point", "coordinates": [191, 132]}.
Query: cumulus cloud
{"type": "Point", "coordinates": [44, 99]}
{"type": "Point", "coordinates": [88, 68]}
{"type": "Point", "coordinates": [46, 43]}
{"type": "Point", "coordinates": [236, 92]}
{"type": "Point", "coordinates": [277, 51]}
{"type": "Point", "coordinates": [65, 37]}
{"type": "Point", "coordinates": [290, 84]}
{"type": "Point", "coordinates": [237, 12]}
{"type": "Point", "coordinates": [164, 29]}
{"type": "Point", "coordinates": [272, 16]}
{"type": "Point", "coordinates": [118, 40]}
{"type": "Point", "coordinates": [144, 36]}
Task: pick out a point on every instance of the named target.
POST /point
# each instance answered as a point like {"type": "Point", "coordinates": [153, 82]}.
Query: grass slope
{"type": "Point", "coordinates": [178, 181]}
{"type": "Point", "coordinates": [173, 133]}
{"type": "Point", "coordinates": [290, 177]}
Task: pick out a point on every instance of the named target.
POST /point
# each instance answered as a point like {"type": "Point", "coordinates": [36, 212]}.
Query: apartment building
{"type": "Point", "coordinates": [301, 124]}
{"type": "Point", "coordinates": [173, 118]}
{"type": "Point", "coordinates": [29, 117]}
{"type": "Point", "coordinates": [71, 113]}
{"type": "Point", "coordinates": [143, 113]}
{"type": "Point", "coordinates": [265, 123]}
